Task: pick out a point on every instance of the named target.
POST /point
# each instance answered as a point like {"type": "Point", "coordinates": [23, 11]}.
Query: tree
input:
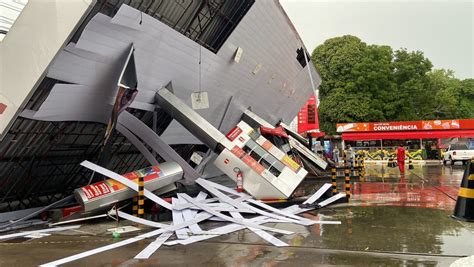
{"type": "Point", "coordinates": [363, 83]}
{"type": "Point", "coordinates": [335, 59]}
{"type": "Point", "coordinates": [453, 98]}
{"type": "Point", "coordinates": [414, 96]}
{"type": "Point", "coordinates": [466, 99]}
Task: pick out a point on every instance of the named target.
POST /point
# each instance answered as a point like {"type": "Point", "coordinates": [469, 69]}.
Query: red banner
{"type": "Point", "coordinates": [308, 116]}
{"type": "Point", "coordinates": [405, 126]}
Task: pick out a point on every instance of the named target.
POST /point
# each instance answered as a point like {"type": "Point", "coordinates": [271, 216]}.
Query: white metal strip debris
{"type": "Point", "coordinates": [153, 246]}
{"type": "Point", "coordinates": [201, 217]}
{"type": "Point", "coordinates": [129, 217]}
{"type": "Point", "coordinates": [189, 214]}
{"type": "Point", "coordinates": [193, 239]}
{"type": "Point", "coordinates": [331, 199]}
{"type": "Point", "coordinates": [303, 221]}
{"type": "Point", "coordinates": [253, 201]}
{"type": "Point", "coordinates": [266, 236]}
{"type": "Point", "coordinates": [177, 219]}
{"type": "Point", "coordinates": [238, 221]}
{"type": "Point", "coordinates": [210, 203]}
{"type": "Point", "coordinates": [210, 210]}
{"type": "Point", "coordinates": [57, 229]}
{"type": "Point", "coordinates": [258, 220]}
{"type": "Point", "coordinates": [190, 205]}
{"type": "Point", "coordinates": [209, 187]}
{"type": "Point", "coordinates": [221, 196]}
{"type": "Point", "coordinates": [318, 194]}
{"type": "Point", "coordinates": [79, 220]}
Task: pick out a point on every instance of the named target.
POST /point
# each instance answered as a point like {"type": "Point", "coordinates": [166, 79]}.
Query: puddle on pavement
{"type": "Point", "coordinates": [377, 228]}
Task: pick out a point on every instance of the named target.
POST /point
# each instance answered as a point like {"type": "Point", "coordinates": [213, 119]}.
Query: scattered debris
{"type": "Point", "coordinates": [188, 212]}
{"type": "Point", "coordinates": [79, 220]}
{"type": "Point", "coordinates": [37, 212]}
{"type": "Point", "coordinates": [124, 229]}
{"type": "Point", "coordinates": [37, 235]}
{"type": "Point", "coordinates": [23, 224]}
{"type": "Point", "coordinates": [27, 233]}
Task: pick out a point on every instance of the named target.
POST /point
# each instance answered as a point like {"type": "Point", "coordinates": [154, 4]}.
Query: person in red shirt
{"type": "Point", "coordinates": [401, 158]}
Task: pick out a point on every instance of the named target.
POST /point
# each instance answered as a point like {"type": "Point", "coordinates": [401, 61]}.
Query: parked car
{"type": "Point", "coordinates": [458, 152]}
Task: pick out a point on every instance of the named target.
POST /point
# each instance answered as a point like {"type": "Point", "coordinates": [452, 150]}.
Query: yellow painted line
{"type": "Point", "coordinates": [141, 202]}
{"type": "Point", "coordinates": [471, 177]}
{"type": "Point", "coordinates": [466, 192]}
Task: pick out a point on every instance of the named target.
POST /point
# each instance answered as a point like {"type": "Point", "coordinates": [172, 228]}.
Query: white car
{"type": "Point", "coordinates": [458, 152]}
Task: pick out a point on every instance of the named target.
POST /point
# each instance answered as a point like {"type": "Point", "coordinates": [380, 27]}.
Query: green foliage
{"type": "Point", "coordinates": [335, 60]}
{"type": "Point", "coordinates": [363, 83]}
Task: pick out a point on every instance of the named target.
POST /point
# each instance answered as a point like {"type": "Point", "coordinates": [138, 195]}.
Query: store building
{"type": "Point", "coordinates": [424, 139]}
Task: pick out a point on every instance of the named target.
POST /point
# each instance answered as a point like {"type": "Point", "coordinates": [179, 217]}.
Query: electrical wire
{"type": "Point", "coordinates": [200, 74]}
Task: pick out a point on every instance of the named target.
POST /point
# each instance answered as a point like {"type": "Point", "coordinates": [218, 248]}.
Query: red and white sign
{"type": "Point", "coordinates": [308, 117]}
{"type": "Point", "coordinates": [236, 131]}
{"type": "Point", "coordinates": [405, 126]}
{"type": "Point", "coordinates": [148, 173]}
{"type": "Point", "coordinates": [96, 190]}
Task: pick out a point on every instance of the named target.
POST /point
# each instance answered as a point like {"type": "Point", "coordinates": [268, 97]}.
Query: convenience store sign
{"type": "Point", "coordinates": [405, 126]}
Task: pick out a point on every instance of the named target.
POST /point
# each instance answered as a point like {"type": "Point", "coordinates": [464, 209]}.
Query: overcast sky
{"type": "Point", "coordinates": [443, 30]}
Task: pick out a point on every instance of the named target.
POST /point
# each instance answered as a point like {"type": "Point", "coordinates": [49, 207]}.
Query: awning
{"type": "Point", "coordinates": [408, 135]}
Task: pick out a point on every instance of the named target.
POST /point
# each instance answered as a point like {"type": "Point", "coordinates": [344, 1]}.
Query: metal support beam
{"type": "Point", "coordinates": [152, 139]}
{"type": "Point", "coordinates": [189, 119]}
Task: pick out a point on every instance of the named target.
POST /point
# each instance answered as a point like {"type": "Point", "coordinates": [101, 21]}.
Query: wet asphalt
{"type": "Point", "coordinates": [390, 220]}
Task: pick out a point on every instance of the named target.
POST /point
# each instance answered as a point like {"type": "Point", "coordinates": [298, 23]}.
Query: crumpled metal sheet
{"type": "Point", "coordinates": [276, 91]}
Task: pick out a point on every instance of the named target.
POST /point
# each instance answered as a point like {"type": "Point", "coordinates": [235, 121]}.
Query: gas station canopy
{"type": "Point", "coordinates": [407, 130]}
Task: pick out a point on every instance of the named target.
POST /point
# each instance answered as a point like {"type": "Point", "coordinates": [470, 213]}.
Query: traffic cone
{"type": "Point", "coordinates": [464, 209]}
{"type": "Point", "coordinates": [410, 164]}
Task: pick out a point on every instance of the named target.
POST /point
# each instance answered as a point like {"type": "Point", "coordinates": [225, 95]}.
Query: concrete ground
{"type": "Point", "coordinates": [391, 220]}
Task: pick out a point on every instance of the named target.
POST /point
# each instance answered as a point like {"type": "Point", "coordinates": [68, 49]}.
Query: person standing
{"type": "Point", "coordinates": [318, 148]}
{"type": "Point", "coordinates": [401, 158]}
{"type": "Point", "coordinates": [335, 154]}
{"type": "Point", "coordinates": [349, 155]}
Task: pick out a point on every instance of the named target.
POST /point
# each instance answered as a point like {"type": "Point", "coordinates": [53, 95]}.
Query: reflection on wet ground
{"type": "Point", "coordinates": [429, 187]}
{"type": "Point", "coordinates": [391, 220]}
{"type": "Point", "coordinates": [432, 186]}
